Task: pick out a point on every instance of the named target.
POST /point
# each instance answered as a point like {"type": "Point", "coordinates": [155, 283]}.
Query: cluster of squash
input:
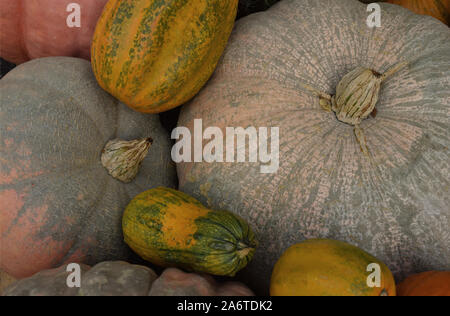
{"type": "Point", "coordinates": [85, 163]}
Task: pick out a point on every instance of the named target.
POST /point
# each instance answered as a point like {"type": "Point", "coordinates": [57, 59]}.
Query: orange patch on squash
{"type": "Point", "coordinates": [7, 178]}
{"type": "Point", "coordinates": [19, 242]}
{"type": "Point", "coordinates": [11, 203]}
{"type": "Point", "coordinates": [22, 169]}
{"type": "Point", "coordinates": [14, 174]}
{"type": "Point", "coordinates": [179, 225]}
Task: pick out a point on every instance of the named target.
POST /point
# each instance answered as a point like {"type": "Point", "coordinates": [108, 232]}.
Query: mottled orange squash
{"type": "Point", "coordinates": [322, 267]}
{"type": "Point", "coordinates": [156, 55]}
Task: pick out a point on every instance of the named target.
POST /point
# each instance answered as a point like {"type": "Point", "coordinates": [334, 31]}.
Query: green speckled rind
{"type": "Point", "coordinates": [395, 207]}
{"type": "Point", "coordinates": [156, 55]}
{"type": "Point", "coordinates": [171, 229]}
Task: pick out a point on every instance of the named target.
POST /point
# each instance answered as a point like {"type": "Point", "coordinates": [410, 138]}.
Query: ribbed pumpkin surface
{"type": "Point", "coordinates": [156, 55]}
{"type": "Point", "coordinates": [170, 228]}
{"type": "Point", "coordinates": [395, 205]}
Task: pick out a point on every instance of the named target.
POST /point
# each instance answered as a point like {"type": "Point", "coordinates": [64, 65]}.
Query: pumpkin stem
{"type": "Point", "coordinates": [356, 95]}
{"type": "Point", "coordinates": [358, 91]}
{"type": "Point", "coordinates": [356, 98]}
{"type": "Point", "coordinates": [325, 104]}
{"type": "Point", "coordinates": [122, 158]}
{"type": "Point", "coordinates": [243, 249]}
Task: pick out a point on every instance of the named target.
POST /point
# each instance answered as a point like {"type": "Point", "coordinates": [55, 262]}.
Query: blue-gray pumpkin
{"type": "Point", "coordinates": [378, 179]}
{"type": "Point", "coordinates": [58, 203]}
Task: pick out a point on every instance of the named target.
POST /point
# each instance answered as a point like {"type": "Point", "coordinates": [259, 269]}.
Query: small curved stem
{"type": "Point", "coordinates": [325, 104]}
{"type": "Point", "coordinates": [123, 158]}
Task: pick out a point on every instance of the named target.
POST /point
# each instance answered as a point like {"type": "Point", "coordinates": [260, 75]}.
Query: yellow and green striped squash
{"type": "Point", "coordinates": [155, 55]}
{"type": "Point", "coordinates": [171, 229]}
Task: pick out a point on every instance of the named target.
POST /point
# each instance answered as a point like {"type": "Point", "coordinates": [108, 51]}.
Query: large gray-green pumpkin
{"type": "Point", "coordinates": [391, 200]}
{"type": "Point", "coordinates": [58, 203]}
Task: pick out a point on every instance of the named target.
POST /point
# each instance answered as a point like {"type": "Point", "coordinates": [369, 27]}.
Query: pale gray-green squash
{"type": "Point", "coordinates": [119, 278]}
{"type": "Point", "coordinates": [393, 200]}
{"type": "Point", "coordinates": [58, 203]}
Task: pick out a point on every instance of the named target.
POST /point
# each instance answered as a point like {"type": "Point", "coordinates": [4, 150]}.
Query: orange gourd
{"type": "Point", "coordinates": [431, 283]}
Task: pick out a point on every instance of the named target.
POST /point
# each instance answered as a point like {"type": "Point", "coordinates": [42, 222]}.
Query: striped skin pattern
{"type": "Point", "coordinates": [394, 205]}
{"type": "Point", "coordinates": [156, 55]}
{"type": "Point", "coordinates": [57, 202]}
{"type": "Point", "coordinates": [170, 228]}
{"type": "Point", "coordinates": [321, 267]}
